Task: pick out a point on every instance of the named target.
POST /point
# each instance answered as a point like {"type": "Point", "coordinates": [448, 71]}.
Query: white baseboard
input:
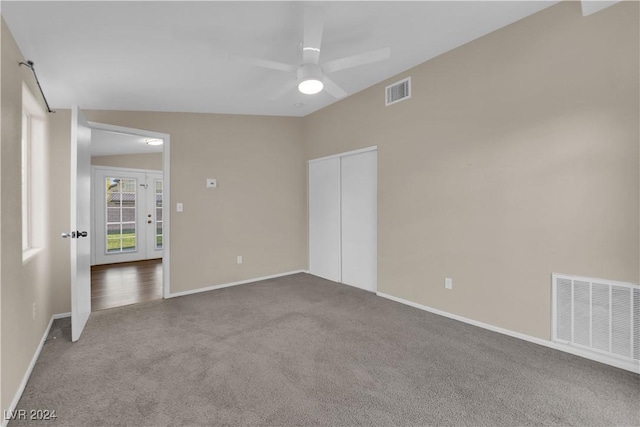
{"type": "Point", "coordinates": [602, 358]}
{"type": "Point", "coordinates": [27, 374]}
{"type": "Point", "coordinates": [61, 315]}
{"type": "Point", "coordinates": [226, 285]}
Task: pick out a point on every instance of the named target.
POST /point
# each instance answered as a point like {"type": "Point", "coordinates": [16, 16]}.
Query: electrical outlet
{"type": "Point", "coordinates": [212, 183]}
{"type": "Point", "coordinates": [34, 311]}
{"type": "Point", "coordinates": [239, 259]}
{"type": "Point", "coordinates": [448, 283]}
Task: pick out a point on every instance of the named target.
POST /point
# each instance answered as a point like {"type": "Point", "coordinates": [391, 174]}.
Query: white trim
{"type": "Point", "coordinates": [127, 130]}
{"type": "Point", "coordinates": [34, 359]}
{"type": "Point", "coordinates": [61, 315]}
{"type": "Point", "coordinates": [30, 253]}
{"type": "Point", "coordinates": [166, 216]}
{"type": "Point", "coordinates": [346, 153]}
{"type": "Point", "coordinates": [240, 282]}
{"type": "Point", "coordinates": [119, 169]}
{"type": "Point", "coordinates": [633, 367]}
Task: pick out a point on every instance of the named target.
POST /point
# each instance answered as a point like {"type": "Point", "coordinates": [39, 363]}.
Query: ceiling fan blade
{"type": "Point", "coordinates": [333, 89]}
{"type": "Point", "coordinates": [312, 39]}
{"type": "Point", "coordinates": [283, 90]}
{"type": "Point", "coordinates": [357, 60]}
{"type": "Point", "coordinates": [264, 63]}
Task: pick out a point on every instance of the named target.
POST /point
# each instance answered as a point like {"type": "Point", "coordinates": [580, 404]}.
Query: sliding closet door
{"type": "Point", "coordinates": [359, 200]}
{"type": "Point", "coordinates": [324, 219]}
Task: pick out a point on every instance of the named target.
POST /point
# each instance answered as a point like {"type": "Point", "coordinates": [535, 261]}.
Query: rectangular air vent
{"type": "Point", "coordinates": [398, 91]}
{"type": "Point", "coordinates": [598, 315]}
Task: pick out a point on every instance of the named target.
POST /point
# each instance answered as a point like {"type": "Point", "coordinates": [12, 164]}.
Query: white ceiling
{"type": "Point", "coordinates": [105, 143]}
{"type": "Point", "coordinates": [174, 56]}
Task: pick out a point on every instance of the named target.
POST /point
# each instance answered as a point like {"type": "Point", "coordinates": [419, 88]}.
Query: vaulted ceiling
{"type": "Point", "coordinates": [179, 56]}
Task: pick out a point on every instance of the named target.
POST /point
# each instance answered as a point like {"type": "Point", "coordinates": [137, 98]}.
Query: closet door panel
{"type": "Point", "coordinates": [359, 203]}
{"type": "Point", "coordinates": [324, 219]}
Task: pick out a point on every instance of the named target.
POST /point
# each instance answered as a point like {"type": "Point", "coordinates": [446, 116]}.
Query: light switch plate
{"type": "Point", "coordinates": [212, 183]}
{"type": "Point", "coordinates": [448, 283]}
{"type": "Point", "coordinates": [179, 207]}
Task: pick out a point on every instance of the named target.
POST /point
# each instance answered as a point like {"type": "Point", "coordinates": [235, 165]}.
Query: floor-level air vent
{"type": "Point", "coordinates": [398, 91]}
{"type": "Point", "coordinates": [598, 315]}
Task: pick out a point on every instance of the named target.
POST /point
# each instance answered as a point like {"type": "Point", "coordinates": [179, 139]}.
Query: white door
{"type": "Point", "coordinates": [80, 222]}
{"type": "Point", "coordinates": [343, 218]}
{"type": "Point", "coordinates": [128, 215]}
{"type": "Point", "coordinates": [324, 218]}
{"type": "Point", "coordinates": [359, 203]}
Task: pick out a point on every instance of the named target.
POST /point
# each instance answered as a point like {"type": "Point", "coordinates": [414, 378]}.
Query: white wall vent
{"type": "Point", "coordinates": [398, 91]}
{"type": "Point", "coordinates": [599, 315]}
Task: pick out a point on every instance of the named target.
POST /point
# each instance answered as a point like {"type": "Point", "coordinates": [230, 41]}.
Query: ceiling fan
{"type": "Point", "coordinates": [311, 76]}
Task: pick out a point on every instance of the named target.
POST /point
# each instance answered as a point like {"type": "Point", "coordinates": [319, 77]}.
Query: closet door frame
{"type": "Point", "coordinates": [338, 156]}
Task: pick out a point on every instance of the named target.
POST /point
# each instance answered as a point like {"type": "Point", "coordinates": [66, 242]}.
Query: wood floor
{"type": "Point", "coordinates": [115, 285]}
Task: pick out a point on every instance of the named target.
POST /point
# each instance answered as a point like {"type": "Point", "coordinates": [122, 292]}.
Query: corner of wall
{"type": "Point", "coordinates": [22, 283]}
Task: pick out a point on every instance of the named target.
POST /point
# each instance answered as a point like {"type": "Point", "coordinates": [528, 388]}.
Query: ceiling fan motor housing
{"type": "Point", "coordinates": [309, 71]}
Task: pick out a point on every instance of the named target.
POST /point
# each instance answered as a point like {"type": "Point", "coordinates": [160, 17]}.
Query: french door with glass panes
{"type": "Point", "coordinates": [128, 215]}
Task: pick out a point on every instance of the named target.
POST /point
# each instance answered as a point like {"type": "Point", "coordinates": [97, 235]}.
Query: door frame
{"type": "Point", "coordinates": [100, 168]}
{"type": "Point", "coordinates": [166, 195]}
{"type": "Point", "coordinates": [340, 156]}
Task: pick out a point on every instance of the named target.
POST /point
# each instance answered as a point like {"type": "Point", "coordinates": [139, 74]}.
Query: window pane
{"type": "Point", "coordinates": [121, 214]}
{"type": "Point", "coordinates": [129, 185]}
{"type": "Point", "coordinates": [129, 200]}
{"type": "Point", "coordinates": [114, 241]}
{"type": "Point", "coordinates": [113, 215]}
{"type": "Point", "coordinates": [114, 245]}
{"type": "Point", "coordinates": [159, 189]}
{"type": "Point", "coordinates": [113, 231]}
{"type": "Point", "coordinates": [128, 214]}
{"type": "Point", "coordinates": [128, 242]}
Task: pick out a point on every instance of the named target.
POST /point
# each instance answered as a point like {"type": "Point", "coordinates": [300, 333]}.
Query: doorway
{"type": "Point", "coordinates": [128, 223]}
{"type": "Point", "coordinates": [115, 285]}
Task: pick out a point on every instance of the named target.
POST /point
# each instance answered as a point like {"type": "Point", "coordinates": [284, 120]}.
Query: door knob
{"type": "Point", "coordinates": [74, 234]}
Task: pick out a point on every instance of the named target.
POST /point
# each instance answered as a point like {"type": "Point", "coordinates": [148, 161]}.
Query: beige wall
{"type": "Point", "coordinates": [151, 161]}
{"type": "Point", "coordinates": [258, 209]}
{"type": "Point", "coordinates": [20, 285]}
{"type": "Point", "coordinates": [516, 157]}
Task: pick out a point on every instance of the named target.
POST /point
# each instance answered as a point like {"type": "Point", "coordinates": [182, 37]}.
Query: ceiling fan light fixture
{"type": "Point", "coordinates": [310, 86]}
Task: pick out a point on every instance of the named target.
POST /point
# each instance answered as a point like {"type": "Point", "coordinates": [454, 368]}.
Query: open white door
{"type": "Point", "coordinates": [80, 222]}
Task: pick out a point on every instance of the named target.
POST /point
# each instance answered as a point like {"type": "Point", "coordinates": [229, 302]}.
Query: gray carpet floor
{"type": "Point", "coordinates": [300, 350]}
